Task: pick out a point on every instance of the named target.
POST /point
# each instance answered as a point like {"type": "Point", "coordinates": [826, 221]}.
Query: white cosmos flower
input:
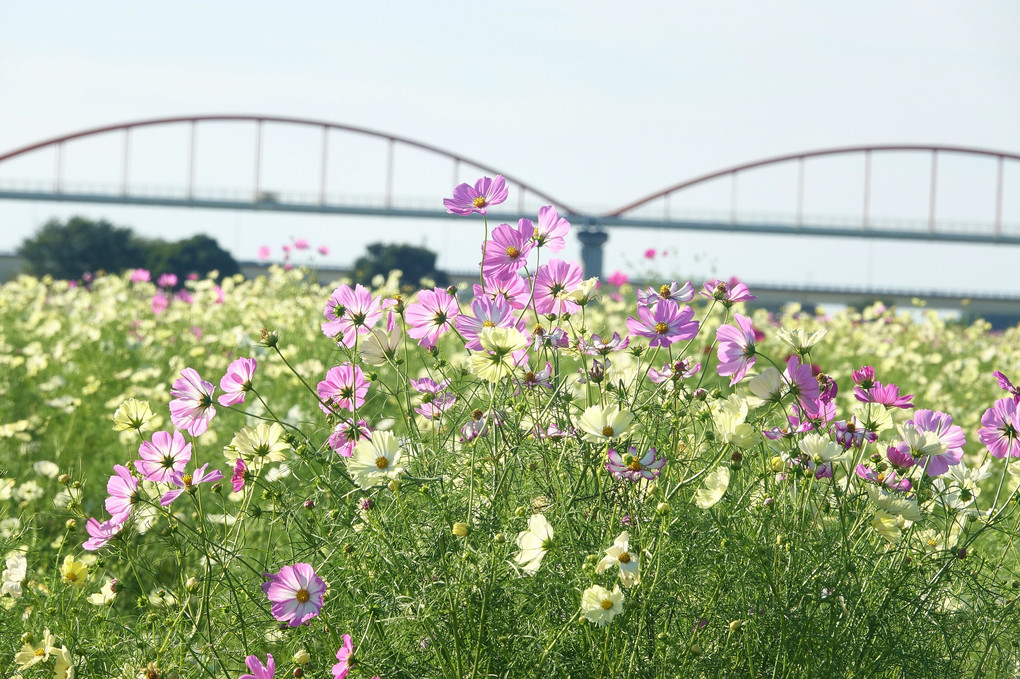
{"type": "Point", "coordinates": [619, 555]}
{"type": "Point", "coordinates": [889, 526]}
{"type": "Point", "coordinates": [715, 487]}
{"type": "Point", "coordinates": [46, 468]}
{"type": "Point", "coordinates": [799, 338]}
{"type": "Point", "coordinates": [105, 595]}
{"type": "Point", "coordinates": [534, 543]}
{"type": "Point", "coordinates": [14, 575]}
{"type": "Point", "coordinates": [600, 605]}
{"type": "Point", "coordinates": [894, 503]}
{"type": "Point", "coordinates": [604, 424]}
{"type": "Point", "coordinates": [767, 386]}
{"type": "Point", "coordinates": [821, 449]}
{"type": "Point", "coordinates": [375, 459]}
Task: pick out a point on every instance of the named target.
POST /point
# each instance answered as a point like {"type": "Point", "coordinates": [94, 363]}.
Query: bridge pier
{"type": "Point", "coordinates": [592, 236]}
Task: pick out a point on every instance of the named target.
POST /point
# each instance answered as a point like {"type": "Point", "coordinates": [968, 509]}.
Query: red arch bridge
{"type": "Point", "coordinates": [650, 212]}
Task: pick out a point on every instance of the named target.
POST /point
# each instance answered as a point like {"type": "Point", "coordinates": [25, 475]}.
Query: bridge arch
{"type": "Point", "coordinates": [392, 139]}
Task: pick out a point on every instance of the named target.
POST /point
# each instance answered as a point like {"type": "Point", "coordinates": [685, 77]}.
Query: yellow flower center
{"type": "Point", "coordinates": [381, 463]}
{"type": "Point", "coordinates": [71, 576]}
{"type": "Point", "coordinates": [664, 291]}
{"type": "Point", "coordinates": [40, 652]}
{"type": "Point", "coordinates": [187, 479]}
{"type": "Point", "coordinates": [608, 431]}
{"type": "Point", "coordinates": [635, 465]}
{"type": "Point", "coordinates": [606, 604]}
{"type": "Point", "coordinates": [488, 324]}
{"type": "Point", "coordinates": [302, 596]}
{"type": "Point", "coordinates": [512, 252]}
{"type": "Point", "coordinates": [479, 201]}
{"type": "Point", "coordinates": [624, 558]}
{"type": "Point", "coordinates": [661, 327]}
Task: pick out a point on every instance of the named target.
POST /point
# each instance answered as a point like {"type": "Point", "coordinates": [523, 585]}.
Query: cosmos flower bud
{"type": "Point", "coordinates": [192, 584]}
{"type": "Point", "coordinates": [460, 529]}
{"type": "Point", "coordinates": [302, 657]}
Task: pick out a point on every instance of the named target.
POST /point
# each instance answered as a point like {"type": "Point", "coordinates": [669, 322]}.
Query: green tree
{"type": "Point", "coordinates": [416, 263]}
{"type": "Point", "coordinates": [67, 250]}
{"type": "Point", "coordinates": [198, 254]}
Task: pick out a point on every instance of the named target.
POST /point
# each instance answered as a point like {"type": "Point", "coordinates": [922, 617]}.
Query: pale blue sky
{"type": "Point", "coordinates": [597, 102]}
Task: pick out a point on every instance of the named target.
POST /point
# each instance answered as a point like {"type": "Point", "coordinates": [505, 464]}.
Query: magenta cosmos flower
{"type": "Point", "coordinates": [101, 533]}
{"type": "Point", "coordinates": [1007, 386]}
{"type": "Point", "coordinates": [673, 291]}
{"type": "Point", "coordinates": [345, 656]}
{"type": "Point", "coordinates": [345, 387]}
{"type": "Point", "coordinates": [803, 385]}
{"type": "Point", "coordinates": [123, 490]}
{"type": "Point", "coordinates": [630, 467]}
{"type": "Point", "coordinates": [951, 440]}
{"type": "Point", "coordinates": [257, 669]}
{"type": "Point", "coordinates": [617, 278]}
{"type": "Point", "coordinates": [162, 456]}
{"type": "Point", "coordinates": [551, 229]}
{"type": "Point", "coordinates": [736, 348]}
{"type": "Point", "coordinates": [431, 316]}
{"type": "Point", "coordinates": [346, 436]}
{"type": "Point", "coordinates": [192, 407]}
{"type": "Point", "coordinates": [488, 313]}
{"type": "Point", "coordinates": [552, 283]}
{"type": "Point", "coordinates": [512, 288]}
{"type": "Point", "coordinates": [727, 294]}
{"type": "Point", "coordinates": [665, 324]}
{"type": "Point", "coordinates": [240, 475]}
{"type": "Point", "coordinates": [350, 312]}
{"type": "Point", "coordinates": [140, 276]}
{"type": "Point", "coordinates": [1000, 428]}
{"type": "Point", "coordinates": [188, 482]}
{"type": "Point", "coordinates": [508, 250]}
{"type": "Point", "coordinates": [296, 592]}
{"type": "Point", "coordinates": [237, 382]}
{"type": "Point", "coordinates": [484, 194]}
{"type": "Point", "coordinates": [167, 280]}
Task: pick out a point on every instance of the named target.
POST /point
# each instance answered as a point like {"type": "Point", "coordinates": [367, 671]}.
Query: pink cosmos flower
{"type": "Point", "coordinates": [736, 348]}
{"type": "Point", "coordinates": [680, 370]}
{"type": "Point", "coordinates": [240, 475]}
{"type": "Point", "coordinates": [301, 244]}
{"type": "Point", "coordinates": [323, 250]}
{"type": "Point", "coordinates": [532, 380]}
{"type": "Point", "coordinates": [949, 435]}
{"type": "Point", "coordinates": [599, 347]}
{"type": "Point", "coordinates": [899, 456]}
{"type": "Point", "coordinates": [159, 303]}
{"type": "Point", "coordinates": [552, 283]}
{"type": "Point", "coordinates": [673, 291]}
{"type": "Point", "coordinates": [728, 295]}
{"type": "Point", "coordinates": [1000, 429]}
{"type": "Point", "coordinates": [551, 229]}
{"type": "Point", "coordinates": [650, 253]}
{"type": "Point", "coordinates": [141, 276]}
{"type": "Point", "coordinates": [886, 394]}
{"type": "Point", "coordinates": [346, 436]}
{"type": "Point", "coordinates": [887, 479]}
{"type": "Point", "coordinates": [192, 276]}
{"type": "Point", "coordinates": [237, 382]}
{"type": "Point", "coordinates": [264, 252]}
{"type": "Point", "coordinates": [512, 288]}
{"type": "Point", "coordinates": [296, 592]}
{"type": "Point", "coordinates": [167, 280]}
{"type": "Point", "coordinates": [803, 385]}
{"type": "Point", "coordinates": [101, 533]}
{"type": "Point", "coordinates": [219, 294]}
{"type": "Point", "coordinates": [286, 251]}
{"type": "Point", "coordinates": [192, 409]}
{"type": "Point", "coordinates": [427, 385]}
{"type": "Point", "coordinates": [257, 669]}
{"type": "Point", "coordinates": [123, 490]}
{"type": "Point", "coordinates": [345, 387]}
{"type": "Point", "coordinates": [436, 406]}
{"type": "Point", "coordinates": [349, 313]}
{"type": "Point", "coordinates": [344, 655]}
{"type": "Point", "coordinates": [508, 250]}
{"type": "Point", "coordinates": [864, 377]}
{"type": "Point", "coordinates": [488, 313]}
{"type": "Point", "coordinates": [630, 467]}
{"type": "Point", "coordinates": [664, 325]}
{"type": "Point", "coordinates": [163, 456]}
{"type": "Point", "coordinates": [1007, 386]}
{"type": "Point", "coordinates": [617, 278]}
{"type": "Point", "coordinates": [484, 194]}
{"type": "Point", "coordinates": [188, 482]}
{"type": "Point", "coordinates": [431, 316]}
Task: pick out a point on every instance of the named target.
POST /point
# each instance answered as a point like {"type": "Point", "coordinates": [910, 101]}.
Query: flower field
{"type": "Point", "coordinates": [534, 476]}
